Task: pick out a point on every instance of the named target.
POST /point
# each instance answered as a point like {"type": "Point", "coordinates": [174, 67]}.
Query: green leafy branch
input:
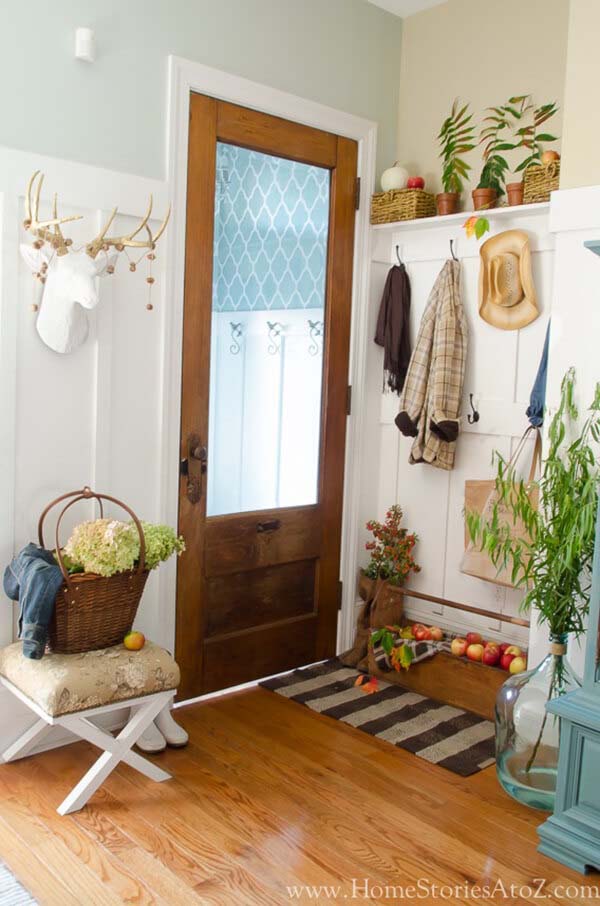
{"type": "Point", "coordinates": [530, 138]}
{"type": "Point", "coordinates": [456, 137]}
{"type": "Point", "coordinates": [553, 563]}
{"type": "Point", "coordinates": [499, 121]}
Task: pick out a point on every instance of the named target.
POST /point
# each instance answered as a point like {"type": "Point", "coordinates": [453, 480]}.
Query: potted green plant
{"type": "Point", "coordinates": [540, 167]}
{"type": "Point", "coordinates": [529, 139]}
{"type": "Point", "coordinates": [495, 166]}
{"type": "Point", "coordinates": [519, 107]}
{"type": "Point", "coordinates": [456, 137]}
{"type": "Point", "coordinates": [552, 561]}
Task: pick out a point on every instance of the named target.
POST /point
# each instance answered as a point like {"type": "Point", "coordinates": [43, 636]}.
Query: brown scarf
{"type": "Point", "coordinates": [393, 328]}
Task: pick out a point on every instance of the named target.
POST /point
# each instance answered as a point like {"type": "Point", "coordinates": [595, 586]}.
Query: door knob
{"type": "Point", "coordinates": [197, 454]}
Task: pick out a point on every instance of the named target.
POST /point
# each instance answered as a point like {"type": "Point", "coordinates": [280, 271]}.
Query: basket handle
{"type": "Point", "coordinates": [86, 494]}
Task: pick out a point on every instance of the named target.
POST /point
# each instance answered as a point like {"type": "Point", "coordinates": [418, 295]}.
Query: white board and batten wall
{"type": "Point", "coordinates": [92, 417]}
{"type": "Point", "coordinates": [501, 367]}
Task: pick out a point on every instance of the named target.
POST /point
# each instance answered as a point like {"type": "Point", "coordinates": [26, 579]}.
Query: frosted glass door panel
{"type": "Point", "coordinates": [270, 256]}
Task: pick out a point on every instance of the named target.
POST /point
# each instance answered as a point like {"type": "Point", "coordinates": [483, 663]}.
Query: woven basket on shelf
{"type": "Point", "coordinates": [93, 611]}
{"type": "Point", "coordinates": [539, 181]}
{"type": "Point", "coordinates": [401, 204]}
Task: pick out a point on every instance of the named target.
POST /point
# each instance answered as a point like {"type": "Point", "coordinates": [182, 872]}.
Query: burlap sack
{"type": "Point", "coordinates": [384, 606]}
{"type": "Point", "coordinates": [481, 497]}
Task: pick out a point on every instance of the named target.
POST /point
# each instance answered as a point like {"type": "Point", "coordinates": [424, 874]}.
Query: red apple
{"type": "Point", "coordinates": [491, 655]}
{"type": "Point", "coordinates": [421, 632]}
{"type": "Point", "coordinates": [474, 638]}
{"type": "Point", "coordinates": [458, 646]}
{"type": "Point", "coordinates": [506, 660]}
{"type": "Point", "coordinates": [437, 634]}
{"type": "Point", "coordinates": [475, 651]}
{"type": "Point", "coordinates": [503, 646]}
{"type": "Point", "coordinates": [517, 665]}
{"type": "Point", "coordinates": [415, 182]}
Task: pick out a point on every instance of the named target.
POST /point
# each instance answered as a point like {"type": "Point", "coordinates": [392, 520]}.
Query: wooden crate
{"type": "Point", "coordinates": [453, 680]}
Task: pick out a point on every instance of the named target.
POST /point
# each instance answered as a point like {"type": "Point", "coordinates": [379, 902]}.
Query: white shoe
{"type": "Point", "coordinates": [174, 735]}
{"type": "Point", "coordinates": [152, 740]}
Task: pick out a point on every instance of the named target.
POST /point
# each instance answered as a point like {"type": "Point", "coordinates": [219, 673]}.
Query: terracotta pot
{"type": "Point", "coordinates": [447, 202]}
{"type": "Point", "coordinates": [514, 190]}
{"type": "Point", "coordinates": [484, 198]}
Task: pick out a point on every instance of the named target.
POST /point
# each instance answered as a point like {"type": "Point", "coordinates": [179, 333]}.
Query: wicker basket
{"type": "Point", "coordinates": [93, 611]}
{"type": "Point", "coordinates": [539, 181]}
{"type": "Point", "coordinates": [401, 204]}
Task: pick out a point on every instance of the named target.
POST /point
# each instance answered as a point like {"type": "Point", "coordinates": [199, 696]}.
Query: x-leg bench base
{"type": "Point", "coordinates": [115, 748]}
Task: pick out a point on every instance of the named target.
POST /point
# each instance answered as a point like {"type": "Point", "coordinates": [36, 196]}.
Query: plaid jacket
{"type": "Point", "coordinates": [430, 401]}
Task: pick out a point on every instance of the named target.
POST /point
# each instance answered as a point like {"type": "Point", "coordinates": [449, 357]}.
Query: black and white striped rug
{"type": "Point", "coordinates": [458, 740]}
{"type": "Point", "coordinates": [12, 893]}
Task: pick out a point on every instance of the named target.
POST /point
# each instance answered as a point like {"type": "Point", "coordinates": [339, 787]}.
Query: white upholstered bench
{"type": "Point", "coordinates": [69, 690]}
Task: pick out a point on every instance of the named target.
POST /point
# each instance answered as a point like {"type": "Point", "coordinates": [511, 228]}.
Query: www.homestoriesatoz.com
{"type": "Point", "coordinates": [427, 891]}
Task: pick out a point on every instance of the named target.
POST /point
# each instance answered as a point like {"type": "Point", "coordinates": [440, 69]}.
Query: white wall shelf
{"type": "Point", "coordinates": [424, 223]}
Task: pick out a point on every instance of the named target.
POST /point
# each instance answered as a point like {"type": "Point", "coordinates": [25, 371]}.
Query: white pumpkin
{"type": "Point", "coordinates": [394, 177]}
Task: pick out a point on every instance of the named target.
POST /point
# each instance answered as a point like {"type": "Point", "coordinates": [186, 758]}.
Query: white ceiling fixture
{"type": "Point", "coordinates": [405, 8]}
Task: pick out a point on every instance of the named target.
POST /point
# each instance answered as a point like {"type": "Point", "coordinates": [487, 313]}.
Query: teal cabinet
{"type": "Point", "coordinates": [572, 834]}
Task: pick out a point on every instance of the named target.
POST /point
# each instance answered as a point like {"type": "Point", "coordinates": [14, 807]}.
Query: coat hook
{"type": "Point", "coordinates": [452, 250]}
{"type": "Point", "coordinates": [398, 255]}
{"type": "Point", "coordinates": [473, 416]}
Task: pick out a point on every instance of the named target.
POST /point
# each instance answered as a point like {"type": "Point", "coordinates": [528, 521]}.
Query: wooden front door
{"type": "Point", "coordinates": [269, 245]}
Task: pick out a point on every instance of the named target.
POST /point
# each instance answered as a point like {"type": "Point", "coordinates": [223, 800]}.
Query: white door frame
{"type": "Point", "coordinates": [185, 77]}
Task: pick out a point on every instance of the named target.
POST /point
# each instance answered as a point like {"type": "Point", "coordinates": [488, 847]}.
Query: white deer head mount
{"type": "Point", "coordinates": [68, 275]}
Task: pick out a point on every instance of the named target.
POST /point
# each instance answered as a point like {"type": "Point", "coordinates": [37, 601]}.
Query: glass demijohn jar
{"type": "Point", "coordinates": [527, 736]}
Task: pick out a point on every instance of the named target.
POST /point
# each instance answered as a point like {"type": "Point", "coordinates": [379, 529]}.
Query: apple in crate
{"type": "Point", "coordinates": [415, 182]}
{"type": "Point", "coordinates": [458, 647]}
{"type": "Point", "coordinates": [491, 655]}
{"type": "Point", "coordinates": [475, 651]}
{"type": "Point", "coordinates": [421, 633]}
{"type": "Point", "coordinates": [517, 665]}
{"type": "Point", "coordinates": [506, 660]}
{"type": "Point", "coordinates": [437, 634]}
{"type": "Point", "coordinates": [474, 638]}
{"type": "Point", "coordinates": [514, 650]}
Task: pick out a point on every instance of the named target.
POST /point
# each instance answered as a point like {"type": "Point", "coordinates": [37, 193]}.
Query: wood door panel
{"type": "Point", "coordinates": [273, 135]}
{"type": "Point", "coordinates": [258, 592]}
{"type": "Point", "coordinates": [250, 599]}
{"type": "Point", "coordinates": [271, 649]}
{"type": "Point", "coordinates": [236, 543]}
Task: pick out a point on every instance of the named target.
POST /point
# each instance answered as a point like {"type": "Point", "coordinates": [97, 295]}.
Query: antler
{"type": "Point", "coordinates": [41, 228]}
{"type": "Point", "coordinates": [102, 241]}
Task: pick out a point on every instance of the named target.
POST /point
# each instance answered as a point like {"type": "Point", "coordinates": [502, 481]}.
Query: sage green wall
{"type": "Point", "coordinates": [344, 53]}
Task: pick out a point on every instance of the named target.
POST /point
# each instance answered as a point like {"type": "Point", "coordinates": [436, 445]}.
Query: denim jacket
{"type": "Point", "coordinates": [537, 401]}
{"type": "Point", "coordinates": [33, 578]}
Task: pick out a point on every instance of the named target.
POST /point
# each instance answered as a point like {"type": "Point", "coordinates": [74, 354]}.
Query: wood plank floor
{"type": "Point", "coordinates": [270, 795]}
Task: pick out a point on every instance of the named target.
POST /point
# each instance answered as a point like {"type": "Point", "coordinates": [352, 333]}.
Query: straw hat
{"type": "Point", "coordinates": [507, 297]}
